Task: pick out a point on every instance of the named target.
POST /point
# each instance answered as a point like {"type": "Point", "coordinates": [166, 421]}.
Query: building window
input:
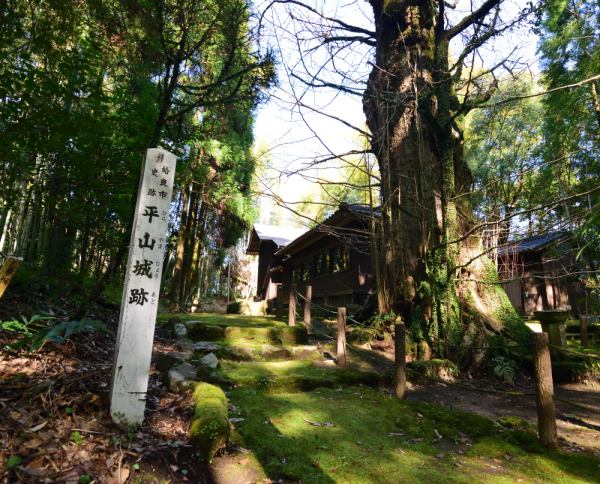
{"type": "Point", "coordinates": [314, 266]}
{"type": "Point", "coordinates": [340, 258]}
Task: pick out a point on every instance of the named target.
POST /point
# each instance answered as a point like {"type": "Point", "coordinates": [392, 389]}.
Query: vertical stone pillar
{"type": "Point", "coordinates": [141, 289]}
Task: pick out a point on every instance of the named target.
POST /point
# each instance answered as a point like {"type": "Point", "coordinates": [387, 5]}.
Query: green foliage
{"type": "Point", "coordinates": [570, 48]}
{"type": "Point", "coordinates": [28, 328]}
{"type": "Point", "coordinates": [36, 331]}
{"type": "Point", "coordinates": [88, 87]}
{"type": "Point", "coordinates": [13, 461]}
{"type": "Point", "coordinates": [61, 332]}
{"type": "Point", "coordinates": [503, 149]}
{"type": "Point", "coordinates": [76, 438]}
{"type": "Point", "coordinates": [504, 368]}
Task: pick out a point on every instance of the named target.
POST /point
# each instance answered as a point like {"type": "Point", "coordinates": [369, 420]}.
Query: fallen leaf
{"type": "Point", "coordinates": [123, 475]}
{"type": "Point", "coordinates": [38, 427]}
{"type": "Point", "coordinates": [33, 443]}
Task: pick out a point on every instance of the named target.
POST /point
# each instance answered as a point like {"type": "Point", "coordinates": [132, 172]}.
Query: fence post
{"type": "Point", "coordinates": [400, 360]}
{"type": "Point", "coordinates": [583, 331]}
{"type": "Point", "coordinates": [292, 307]}
{"type": "Point", "coordinates": [307, 307]}
{"type": "Point", "coordinates": [544, 391]}
{"type": "Point", "coordinates": [341, 339]}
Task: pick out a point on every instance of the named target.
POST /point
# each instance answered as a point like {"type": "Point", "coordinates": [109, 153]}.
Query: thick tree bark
{"type": "Point", "coordinates": [178, 276]}
{"type": "Point", "coordinates": [411, 111]}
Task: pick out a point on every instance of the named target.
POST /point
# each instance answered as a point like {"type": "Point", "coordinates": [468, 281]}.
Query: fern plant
{"type": "Point", "coordinates": [505, 368]}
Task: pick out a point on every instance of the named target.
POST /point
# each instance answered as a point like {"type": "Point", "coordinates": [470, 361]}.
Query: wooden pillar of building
{"type": "Point", "coordinates": [292, 307]}
{"type": "Point", "coordinates": [307, 307]}
{"type": "Point", "coordinates": [341, 337]}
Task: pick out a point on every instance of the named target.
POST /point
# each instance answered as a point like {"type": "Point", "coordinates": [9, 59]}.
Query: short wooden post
{"type": "Point", "coordinates": [544, 391]}
{"type": "Point", "coordinates": [583, 331]}
{"type": "Point", "coordinates": [292, 307]}
{"type": "Point", "coordinates": [400, 360]}
{"type": "Point", "coordinates": [307, 307]}
{"type": "Point", "coordinates": [341, 339]}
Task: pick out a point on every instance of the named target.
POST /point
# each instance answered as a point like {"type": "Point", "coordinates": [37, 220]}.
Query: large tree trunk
{"type": "Point", "coordinates": [410, 109]}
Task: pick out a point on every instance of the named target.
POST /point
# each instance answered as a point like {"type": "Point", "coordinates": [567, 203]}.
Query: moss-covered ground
{"type": "Point", "coordinates": [276, 376]}
{"type": "Point", "coordinates": [358, 434]}
{"type": "Point", "coordinates": [233, 320]}
{"type": "Point", "coordinates": [304, 419]}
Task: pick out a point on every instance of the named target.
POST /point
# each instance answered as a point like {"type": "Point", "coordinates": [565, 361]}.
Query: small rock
{"type": "Point", "coordinates": [181, 377]}
{"type": "Point", "coordinates": [206, 346]}
{"type": "Point", "coordinates": [173, 321]}
{"type": "Point", "coordinates": [180, 330]}
{"type": "Point", "coordinates": [210, 360]}
{"type": "Point", "coordinates": [166, 361]}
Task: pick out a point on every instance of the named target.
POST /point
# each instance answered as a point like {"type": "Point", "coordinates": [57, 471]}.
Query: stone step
{"type": "Point", "coordinates": [268, 352]}
{"type": "Point", "coordinates": [275, 335]}
{"type": "Point", "coordinates": [293, 375]}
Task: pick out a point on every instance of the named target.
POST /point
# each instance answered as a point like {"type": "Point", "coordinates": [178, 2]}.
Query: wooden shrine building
{"type": "Point", "coordinates": [333, 258]}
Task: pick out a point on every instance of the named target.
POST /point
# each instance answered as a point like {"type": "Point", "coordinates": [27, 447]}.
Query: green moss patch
{"type": "Point", "coordinates": [274, 335]}
{"type": "Point", "coordinates": [292, 375]}
{"type": "Point", "coordinates": [240, 349]}
{"type": "Point", "coordinates": [357, 435]}
{"type": "Point", "coordinates": [204, 332]}
{"type": "Point", "coordinates": [436, 369]}
{"type": "Point", "coordinates": [209, 430]}
{"type": "Point", "coordinates": [214, 319]}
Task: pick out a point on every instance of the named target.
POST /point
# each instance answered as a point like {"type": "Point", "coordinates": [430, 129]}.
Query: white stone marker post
{"type": "Point", "coordinates": [141, 290]}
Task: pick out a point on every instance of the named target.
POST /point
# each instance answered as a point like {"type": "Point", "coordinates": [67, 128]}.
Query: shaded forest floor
{"type": "Point", "coordinates": [55, 426]}
{"type": "Point", "coordinates": [54, 406]}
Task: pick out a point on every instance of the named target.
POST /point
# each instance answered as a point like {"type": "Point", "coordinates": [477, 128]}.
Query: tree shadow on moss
{"type": "Point", "coordinates": [357, 434]}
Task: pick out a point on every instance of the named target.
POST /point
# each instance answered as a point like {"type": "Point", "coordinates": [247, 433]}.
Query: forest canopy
{"type": "Point", "coordinates": [85, 89]}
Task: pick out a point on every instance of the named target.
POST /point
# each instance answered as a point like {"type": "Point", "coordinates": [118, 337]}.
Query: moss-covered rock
{"type": "Point", "coordinates": [209, 430]}
{"type": "Point", "coordinates": [233, 307]}
{"type": "Point", "coordinates": [512, 422]}
{"type": "Point", "coordinates": [575, 370]}
{"type": "Point", "coordinates": [205, 332]}
{"type": "Point", "coordinates": [436, 369]}
{"type": "Point", "coordinates": [294, 375]}
{"type": "Point", "coordinates": [281, 335]}
{"type": "Point", "coordinates": [166, 361]}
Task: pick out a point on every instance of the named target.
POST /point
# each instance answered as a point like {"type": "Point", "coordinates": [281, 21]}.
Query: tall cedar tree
{"type": "Point", "coordinates": [429, 266]}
